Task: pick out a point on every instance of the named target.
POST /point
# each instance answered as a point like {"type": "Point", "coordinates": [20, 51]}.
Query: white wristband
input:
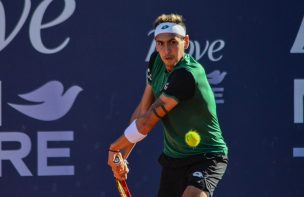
{"type": "Point", "coordinates": [132, 133]}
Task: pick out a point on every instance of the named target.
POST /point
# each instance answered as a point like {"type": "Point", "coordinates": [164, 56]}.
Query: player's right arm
{"type": "Point", "coordinates": [143, 106]}
{"type": "Point", "coordinates": [121, 145]}
{"type": "Point", "coordinates": [126, 148]}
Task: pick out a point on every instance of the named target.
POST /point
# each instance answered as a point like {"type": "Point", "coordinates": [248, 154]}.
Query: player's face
{"type": "Point", "coordinates": [171, 48]}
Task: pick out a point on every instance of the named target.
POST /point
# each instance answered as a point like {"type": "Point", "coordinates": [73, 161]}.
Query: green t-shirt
{"type": "Point", "coordinates": [196, 113]}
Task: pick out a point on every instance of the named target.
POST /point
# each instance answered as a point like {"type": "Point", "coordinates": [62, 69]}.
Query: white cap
{"type": "Point", "coordinates": [170, 28]}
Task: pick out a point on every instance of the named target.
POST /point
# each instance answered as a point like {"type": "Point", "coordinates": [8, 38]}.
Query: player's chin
{"type": "Point", "coordinates": [170, 63]}
{"type": "Point", "coordinates": [169, 60]}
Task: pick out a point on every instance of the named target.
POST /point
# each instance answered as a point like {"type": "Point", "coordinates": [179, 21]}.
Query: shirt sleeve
{"type": "Point", "coordinates": [180, 85]}
{"type": "Point", "coordinates": [150, 67]}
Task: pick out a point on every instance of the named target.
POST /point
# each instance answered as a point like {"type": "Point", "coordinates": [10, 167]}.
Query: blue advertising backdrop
{"type": "Point", "coordinates": [72, 72]}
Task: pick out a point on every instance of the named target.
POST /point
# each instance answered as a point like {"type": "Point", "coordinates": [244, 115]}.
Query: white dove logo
{"type": "Point", "coordinates": [51, 103]}
{"type": "Point", "coordinates": [216, 77]}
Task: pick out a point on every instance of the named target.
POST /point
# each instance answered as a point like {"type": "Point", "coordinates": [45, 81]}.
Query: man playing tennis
{"type": "Point", "coordinates": [177, 94]}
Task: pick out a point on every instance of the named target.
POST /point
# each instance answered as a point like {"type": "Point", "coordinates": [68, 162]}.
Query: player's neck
{"type": "Point", "coordinates": [170, 68]}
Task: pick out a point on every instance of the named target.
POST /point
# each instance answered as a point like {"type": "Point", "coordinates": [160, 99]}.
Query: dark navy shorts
{"type": "Point", "coordinates": [202, 171]}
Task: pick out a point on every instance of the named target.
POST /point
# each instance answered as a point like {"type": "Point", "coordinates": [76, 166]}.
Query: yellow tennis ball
{"type": "Point", "coordinates": [192, 138]}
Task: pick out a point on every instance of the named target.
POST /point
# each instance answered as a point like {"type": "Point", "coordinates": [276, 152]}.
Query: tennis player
{"type": "Point", "coordinates": [177, 94]}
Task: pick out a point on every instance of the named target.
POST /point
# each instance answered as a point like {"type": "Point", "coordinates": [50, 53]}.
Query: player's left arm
{"type": "Point", "coordinates": [137, 130]}
{"type": "Point", "coordinates": [145, 123]}
{"type": "Point", "coordinates": [180, 87]}
{"type": "Point", "coordinates": [160, 108]}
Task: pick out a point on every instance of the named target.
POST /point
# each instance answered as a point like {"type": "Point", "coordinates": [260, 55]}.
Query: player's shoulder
{"type": "Point", "coordinates": [181, 71]}
{"type": "Point", "coordinates": [193, 66]}
{"type": "Point", "coordinates": [182, 74]}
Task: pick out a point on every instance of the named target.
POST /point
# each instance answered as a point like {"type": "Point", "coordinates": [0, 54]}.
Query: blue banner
{"type": "Point", "coordinates": [72, 72]}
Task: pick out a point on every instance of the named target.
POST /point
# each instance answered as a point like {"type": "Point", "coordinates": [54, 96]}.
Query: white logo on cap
{"type": "Point", "coordinates": [165, 27]}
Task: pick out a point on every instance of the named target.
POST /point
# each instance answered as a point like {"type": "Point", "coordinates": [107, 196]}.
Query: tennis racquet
{"type": "Point", "coordinates": [121, 185]}
{"type": "Point", "coordinates": [123, 188]}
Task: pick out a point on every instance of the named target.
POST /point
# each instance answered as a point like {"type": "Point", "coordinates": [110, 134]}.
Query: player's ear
{"type": "Point", "coordinates": [187, 41]}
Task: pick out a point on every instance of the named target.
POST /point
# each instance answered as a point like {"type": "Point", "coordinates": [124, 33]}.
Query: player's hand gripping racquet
{"type": "Point", "coordinates": [121, 185]}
